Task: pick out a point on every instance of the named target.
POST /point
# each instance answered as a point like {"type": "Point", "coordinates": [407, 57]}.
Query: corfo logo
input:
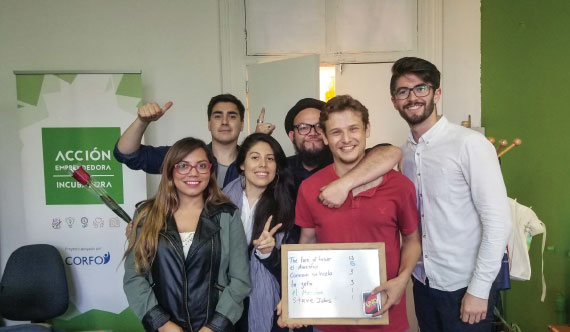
{"type": "Point", "coordinates": [65, 148]}
{"type": "Point", "coordinates": [88, 260]}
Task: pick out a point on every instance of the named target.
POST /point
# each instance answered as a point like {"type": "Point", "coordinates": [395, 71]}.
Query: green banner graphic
{"type": "Point", "coordinates": [69, 120]}
{"type": "Point", "coordinates": [64, 149]}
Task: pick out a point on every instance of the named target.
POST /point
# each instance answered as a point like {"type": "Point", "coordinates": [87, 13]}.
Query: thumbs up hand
{"type": "Point", "coordinates": [152, 111]}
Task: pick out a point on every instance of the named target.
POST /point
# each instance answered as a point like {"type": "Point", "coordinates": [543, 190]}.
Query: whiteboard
{"type": "Point", "coordinates": [331, 283]}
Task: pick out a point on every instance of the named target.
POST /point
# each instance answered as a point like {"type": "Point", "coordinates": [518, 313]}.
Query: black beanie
{"type": "Point", "coordinates": [299, 106]}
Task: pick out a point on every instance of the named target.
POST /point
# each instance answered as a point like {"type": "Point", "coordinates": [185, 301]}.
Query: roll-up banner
{"type": "Point", "coordinates": [69, 120]}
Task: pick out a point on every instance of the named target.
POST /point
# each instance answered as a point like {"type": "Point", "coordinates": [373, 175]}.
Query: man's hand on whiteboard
{"type": "Point", "coordinates": [262, 127]}
{"type": "Point", "coordinates": [394, 289]}
{"type": "Point", "coordinates": [266, 241]}
{"type": "Point", "coordinates": [280, 320]}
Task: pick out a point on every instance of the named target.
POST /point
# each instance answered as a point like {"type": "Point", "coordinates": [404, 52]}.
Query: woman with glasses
{"type": "Point", "coordinates": [186, 266]}
{"type": "Point", "coordinates": [264, 194]}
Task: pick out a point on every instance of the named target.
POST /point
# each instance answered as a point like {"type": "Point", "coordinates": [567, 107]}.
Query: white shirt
{"type": "Point", "coordinates": [463, 207]}
{"type": "Point", "coordinates": [187, 238]}
{"type": "Point", "coordinates": [247, 221]}
{"type": "Point", "coordinates": [247, 217]}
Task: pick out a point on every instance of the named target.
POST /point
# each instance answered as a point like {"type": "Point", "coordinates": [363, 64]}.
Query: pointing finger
{"type": "Point", "coordinates": [261, 115]}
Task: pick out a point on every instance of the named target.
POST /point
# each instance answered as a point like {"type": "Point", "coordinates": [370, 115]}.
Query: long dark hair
{"type": "Point", "coordinates": [277, 199]}
{"type": "Point", "coordinates": [156, 210]}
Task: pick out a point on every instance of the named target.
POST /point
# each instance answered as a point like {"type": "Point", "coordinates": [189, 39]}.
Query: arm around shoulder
{"type": "Point", "coordinates": [378, 161]}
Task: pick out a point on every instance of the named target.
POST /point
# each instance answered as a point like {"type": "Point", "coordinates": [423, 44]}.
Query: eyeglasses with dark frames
{"type": "Point", "coordinates": [305, 128]}
{"type": "Point", "coordinates": [184, 168]}
{"type": "Point", "coordinates": [420, 90]}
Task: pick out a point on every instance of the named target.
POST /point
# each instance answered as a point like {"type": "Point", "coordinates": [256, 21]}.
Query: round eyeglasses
{"type": "Point", "coordinates": [305, 128]}
{"type": "Point", "coordinates": [184, 168]}
{"type": "Point", "coordinates": [420, 90]}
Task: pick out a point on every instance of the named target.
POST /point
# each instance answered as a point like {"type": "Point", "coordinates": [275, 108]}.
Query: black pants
{"type": "Point", "coordinates": [438, 311]}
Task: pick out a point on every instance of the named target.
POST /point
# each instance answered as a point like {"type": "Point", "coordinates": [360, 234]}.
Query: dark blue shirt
{"type": "Point", "coordinates": [300, 173]}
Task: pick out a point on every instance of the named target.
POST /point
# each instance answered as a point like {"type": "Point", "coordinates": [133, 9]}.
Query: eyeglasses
{"type": "Point", "coordinates": [184, 168]}
{"type": "Point", "coordinates": [420, 90]}
{"type": "Point", "coordinates": [305, 128]}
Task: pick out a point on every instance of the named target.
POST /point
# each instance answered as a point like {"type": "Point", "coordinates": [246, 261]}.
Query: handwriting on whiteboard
{"type": "Point", "coordinates": [331, 283]}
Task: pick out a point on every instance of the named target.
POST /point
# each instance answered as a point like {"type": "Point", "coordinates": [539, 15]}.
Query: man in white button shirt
{"type": "Point", "coordinates": [464, 213]}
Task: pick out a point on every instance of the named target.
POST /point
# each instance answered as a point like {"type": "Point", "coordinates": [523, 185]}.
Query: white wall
{"type": "Point", "coordinates": [461, 68]}
{"type": "Point", "coordinates": [175, 44]}
{"type": "Point", "coordinates": [460, 54]}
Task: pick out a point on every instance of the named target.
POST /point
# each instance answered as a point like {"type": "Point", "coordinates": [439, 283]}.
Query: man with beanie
{"type": "Point", "coordinates": [302, 127]}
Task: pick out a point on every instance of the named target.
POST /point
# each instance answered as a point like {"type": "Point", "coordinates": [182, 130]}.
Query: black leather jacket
{"type": "Point", "coordinates": [186, 289]}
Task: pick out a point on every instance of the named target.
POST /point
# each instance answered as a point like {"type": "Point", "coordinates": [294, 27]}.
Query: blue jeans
{"type": "Point", "coordinates": [438, 311]}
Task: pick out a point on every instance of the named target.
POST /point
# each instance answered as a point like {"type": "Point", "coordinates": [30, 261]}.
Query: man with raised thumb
{"type": "Point", "coordinates": [225, 122]}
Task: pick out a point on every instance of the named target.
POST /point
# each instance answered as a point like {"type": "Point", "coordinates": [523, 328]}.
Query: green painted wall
{"type": "Point", "coordinates": [525, 79]}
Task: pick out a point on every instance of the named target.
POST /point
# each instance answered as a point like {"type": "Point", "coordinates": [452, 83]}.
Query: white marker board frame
{"type": "Point", "coordinates": [315, 249]}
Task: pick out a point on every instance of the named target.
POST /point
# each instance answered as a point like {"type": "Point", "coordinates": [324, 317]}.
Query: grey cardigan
{"type": "Point", "coordinates": [234, 191]}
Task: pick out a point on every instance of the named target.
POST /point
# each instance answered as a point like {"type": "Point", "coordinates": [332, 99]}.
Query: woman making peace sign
{"type": "Point", "coordinates": [264, 194]}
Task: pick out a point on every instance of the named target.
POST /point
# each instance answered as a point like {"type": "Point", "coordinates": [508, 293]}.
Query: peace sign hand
{"type": "Point", "coordinates": [266, 241]}
{"type": "Point", "coordinates": [261, 127]}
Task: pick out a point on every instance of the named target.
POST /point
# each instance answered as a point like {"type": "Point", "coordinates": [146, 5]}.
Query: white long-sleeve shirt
{"type": "Point", "coordinates": [463, 207]}
{"type": "Point", "coordinates": [247, 214]}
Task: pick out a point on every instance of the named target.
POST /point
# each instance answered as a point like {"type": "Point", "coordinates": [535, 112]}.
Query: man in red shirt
{"type": "Point", "coordinates": [380, 211]}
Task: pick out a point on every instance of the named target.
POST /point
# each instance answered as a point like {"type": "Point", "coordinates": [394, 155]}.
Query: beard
{"type": "Point", "coordinates": [418, 118]}
{"type": "Point", "coordinates": [312, 158]}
